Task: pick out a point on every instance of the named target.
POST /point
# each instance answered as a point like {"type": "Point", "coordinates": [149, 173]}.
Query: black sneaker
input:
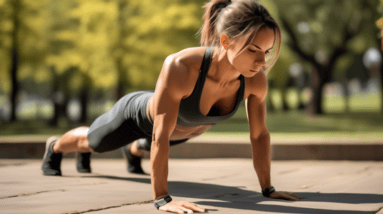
{"type": "Point", "coordinates": [83, 162]}
{"type": "Point", "coordinates": [134, 162]}
{"type": "Point", "coordinates": [51, 160]}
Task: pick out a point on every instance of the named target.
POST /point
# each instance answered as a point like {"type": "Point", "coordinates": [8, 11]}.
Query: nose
{"type": "Point", "coordinates": [260, 60]}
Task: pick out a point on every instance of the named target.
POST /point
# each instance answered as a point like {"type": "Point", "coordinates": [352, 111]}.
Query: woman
{"type": "Point", "coordinates": [197, 88]}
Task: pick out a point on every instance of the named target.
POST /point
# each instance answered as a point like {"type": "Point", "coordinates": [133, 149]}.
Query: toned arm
{"type": "Point", "coordinates": [259, 134]}
{"type": "Point", "coordinates": [170, 89]}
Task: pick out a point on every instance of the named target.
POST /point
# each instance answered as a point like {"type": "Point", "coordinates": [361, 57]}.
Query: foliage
{"type": "Point", "coordinates": [158, 29]}
{"type": "Point", "coordinates": [30, 29]}
{"type": "Point", "coordinates": [322, 26]}
{"type": "Point", "coordinates": [81, 39]}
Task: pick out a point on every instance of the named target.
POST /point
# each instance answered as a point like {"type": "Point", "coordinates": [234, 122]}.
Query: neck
{"type": "Point", "coordinates": [223, 71]}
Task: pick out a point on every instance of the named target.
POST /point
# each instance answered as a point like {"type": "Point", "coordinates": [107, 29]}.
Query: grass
{"type": "Point", "coordinates": [364, 117]}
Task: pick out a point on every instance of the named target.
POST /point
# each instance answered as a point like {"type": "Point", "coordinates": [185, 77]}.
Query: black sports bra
{"type": "Point", "coordinates": [189, 110]}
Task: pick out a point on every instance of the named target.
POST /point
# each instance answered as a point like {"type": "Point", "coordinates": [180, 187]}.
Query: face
{"type": "Point", "coordinates": [249, 60]}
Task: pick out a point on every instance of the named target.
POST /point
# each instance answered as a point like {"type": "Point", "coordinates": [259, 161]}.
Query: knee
{"type": "Point", "coordinates": [81, 134]}
{"type": "Point", "coordinates": [144, 144]}
{"type": "Point", "coordinates": [83, 145]}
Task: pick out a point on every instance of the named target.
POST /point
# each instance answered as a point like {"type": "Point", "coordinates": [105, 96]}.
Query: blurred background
{"type": "Point", "coordinates": [63, 63]}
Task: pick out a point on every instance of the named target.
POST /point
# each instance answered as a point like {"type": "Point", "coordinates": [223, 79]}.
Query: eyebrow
{"type": "Point", "coordinates": [260, 48]}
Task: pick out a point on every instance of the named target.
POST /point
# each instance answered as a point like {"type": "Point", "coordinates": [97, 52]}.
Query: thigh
{"type": "Point", "coordinates": [113, 129]}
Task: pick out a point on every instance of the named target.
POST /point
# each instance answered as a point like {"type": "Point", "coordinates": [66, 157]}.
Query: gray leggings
{"type": "Point", "coordinates": [124, 123]}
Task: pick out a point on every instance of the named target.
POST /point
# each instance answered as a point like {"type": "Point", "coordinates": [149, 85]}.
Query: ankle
{"type": "Point", "coordinates": [55, 147]}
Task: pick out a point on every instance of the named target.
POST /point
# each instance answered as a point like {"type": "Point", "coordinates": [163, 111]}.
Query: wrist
{"type": "Point", "coordinates": [268, 191]}
{"type": "Point", "coordinates": [161, 201]}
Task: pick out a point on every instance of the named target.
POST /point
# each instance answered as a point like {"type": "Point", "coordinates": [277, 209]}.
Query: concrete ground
{"type": "Point", "coordinates": [219, 185]}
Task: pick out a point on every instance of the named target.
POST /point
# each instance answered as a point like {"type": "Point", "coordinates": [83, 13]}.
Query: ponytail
{"type": "Point", "coordinates": [208, 31]}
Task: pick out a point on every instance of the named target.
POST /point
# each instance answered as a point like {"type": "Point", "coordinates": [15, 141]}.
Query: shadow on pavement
{"type": "Point", "coordinates": [240, 198]}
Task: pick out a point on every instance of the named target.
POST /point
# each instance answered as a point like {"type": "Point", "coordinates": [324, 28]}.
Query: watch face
{"type": "Point", "coordinates": [161, 202]}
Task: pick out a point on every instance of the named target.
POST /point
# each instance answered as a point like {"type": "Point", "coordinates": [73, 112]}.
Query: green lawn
{"type": "Point", "coordinates": [364, 117]}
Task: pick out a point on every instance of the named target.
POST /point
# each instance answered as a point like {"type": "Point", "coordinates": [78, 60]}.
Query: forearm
{"type": "Point", "coordinates": [261, 159]}
{"type": "Point", "coordinates": [159, 155]}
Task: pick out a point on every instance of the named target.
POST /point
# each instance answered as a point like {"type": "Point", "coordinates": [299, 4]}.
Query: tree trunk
{"type": "Point", "coordinates": [346, 95]}
{"type": "Point", "coordinates": [84, 106]}
{"type": "Point", "coordinates": [15, 59]}
{"type": "Point", "coordinates": [60, 100]}
{"type": "Point", "coordinates": [301, 104]}
{"type": "Point", "coordinates": [15, 83]}
{"type": "Point", "coordinates": [269, 104]}
{"type": "Point", "coordinates": [381, 87]}
{"type": "Point", "coordinates": [315, 105]}
{"type": "Point", "coordinates": [120, 48]}
{"type": "Point", "coordinates": [56, 99]}
{"type": "Point", "coordinates": [285, 106]}
{"type": "Point", "coordinates": [121, 83]}
{"type": "Point", "coordinates": [84, 99]}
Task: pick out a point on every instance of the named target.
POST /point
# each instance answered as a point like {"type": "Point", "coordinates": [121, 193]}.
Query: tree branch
{"type": "Point", "coordinates": [295, 46]}
{"type": "Point", "coordinates": [349, 33]}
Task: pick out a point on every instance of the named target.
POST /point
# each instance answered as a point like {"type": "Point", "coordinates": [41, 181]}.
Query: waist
{"type": "Point", "coordinates": [148, 110]}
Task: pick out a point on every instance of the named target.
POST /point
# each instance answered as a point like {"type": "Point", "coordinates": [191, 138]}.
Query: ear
{"type": "Point", "coordinates": [224, 40]}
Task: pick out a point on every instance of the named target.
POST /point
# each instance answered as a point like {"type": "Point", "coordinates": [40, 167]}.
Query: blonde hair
{"type": "Point", "coordinates": [239, 18]}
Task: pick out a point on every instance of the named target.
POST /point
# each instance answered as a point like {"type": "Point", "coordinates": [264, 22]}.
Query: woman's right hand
{"type": "Point", "coordinates": [181, 207]}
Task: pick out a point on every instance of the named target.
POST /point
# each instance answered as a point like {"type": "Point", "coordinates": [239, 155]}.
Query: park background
{"type": "Point", "coordinates": [63, 63]}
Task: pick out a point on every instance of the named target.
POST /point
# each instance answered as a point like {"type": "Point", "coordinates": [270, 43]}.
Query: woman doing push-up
{"type": "Point", "coordinates": [197, 88]}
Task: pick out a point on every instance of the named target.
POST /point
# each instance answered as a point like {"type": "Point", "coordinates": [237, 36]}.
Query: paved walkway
{"type": "Point", "coordinates": [219, 185]}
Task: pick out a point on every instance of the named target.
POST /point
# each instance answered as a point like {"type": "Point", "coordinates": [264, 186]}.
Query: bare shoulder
{"type": "Point", "coordinates": [180, 70]}
{"type": "Point", "coordinates": [189, 59]}
{"type": "Point", "coordinates": [257, 85]}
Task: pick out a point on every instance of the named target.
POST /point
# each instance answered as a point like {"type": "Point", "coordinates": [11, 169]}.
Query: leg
{"type": "Point", "coordinates": [133, 153]}
{"type": "Point", "coordinates": [113, 129]}
{"type": "Point", "coordinates": [74, 140]}
{"type": "Point", "coordinates": [83, 162]}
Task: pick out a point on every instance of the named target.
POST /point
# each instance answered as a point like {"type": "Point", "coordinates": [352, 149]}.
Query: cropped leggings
{"type": "Point", "coordinates": [126, 122]}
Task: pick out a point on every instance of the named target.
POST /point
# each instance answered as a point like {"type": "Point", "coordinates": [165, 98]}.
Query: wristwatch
{"type": "Point", "coordinates": [159, 202]}
{"type": "Point", "coordinates": [268, 191]}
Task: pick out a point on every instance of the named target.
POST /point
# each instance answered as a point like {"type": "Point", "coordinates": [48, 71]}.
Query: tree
{"type": "Point", "coordinates": [279, 77]}
{"type": "Point", "coordinates": [5, 46]}
{"type": "Point", "coordinates": [120, 47]}
{"type": "Point", "coordinates": [156, 30]}
{"type": "Point", "coordinates": [23, 24]}
{"type": "Point", "coordinates": [61, 61]}
{"type": "Point", "coordinates": [86, 32]}
{"type": "Point", "coordinates": [379, 24]}
{"type": "Point", "coordinates": [320, 41]}
{"type": "Point", "coordinates": [15, 56]}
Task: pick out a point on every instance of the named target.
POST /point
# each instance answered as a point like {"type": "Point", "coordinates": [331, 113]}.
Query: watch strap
{"type": "Point", "coordinates": [159, 202]}
{"type": "Point", "coordinates": [268, 191]}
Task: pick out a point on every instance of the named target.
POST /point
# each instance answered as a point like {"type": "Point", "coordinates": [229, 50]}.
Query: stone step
{"type": "Point", "coordinates": [216, 146]}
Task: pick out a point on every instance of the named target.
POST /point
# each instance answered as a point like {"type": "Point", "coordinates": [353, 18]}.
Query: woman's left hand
{"type": "Point", "coordinates": [285, 195]}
